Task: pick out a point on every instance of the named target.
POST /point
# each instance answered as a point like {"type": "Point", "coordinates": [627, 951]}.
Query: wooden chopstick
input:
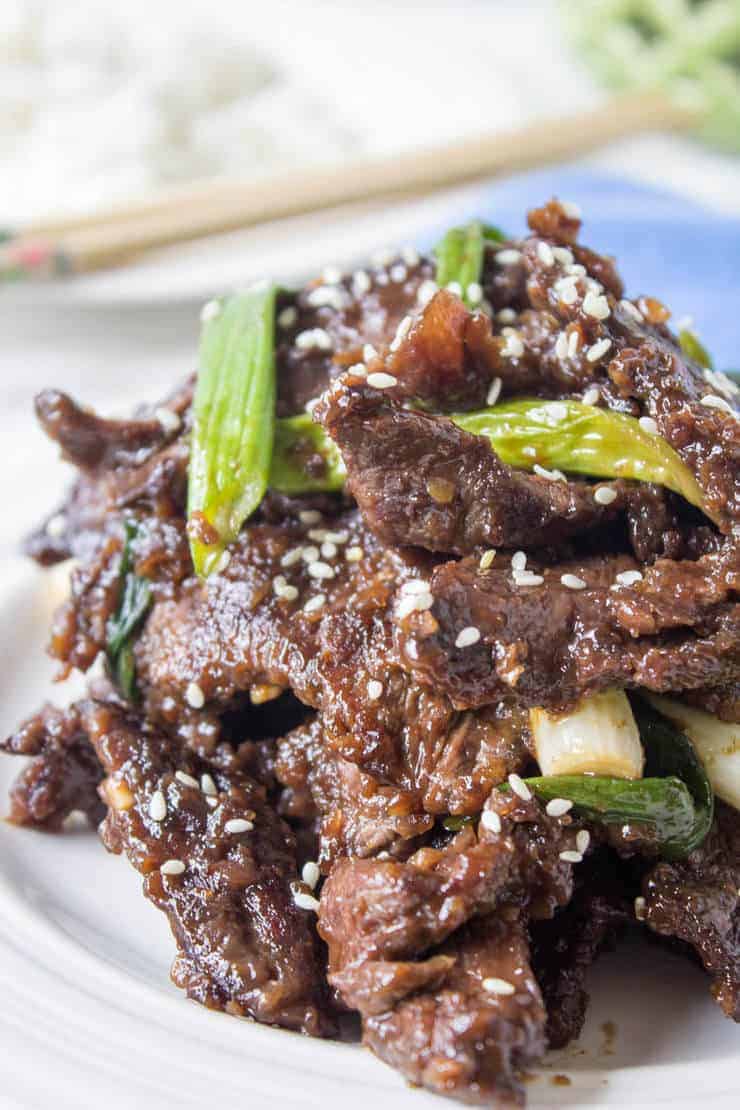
{"type": "Point", "coordinates": [205, 208]}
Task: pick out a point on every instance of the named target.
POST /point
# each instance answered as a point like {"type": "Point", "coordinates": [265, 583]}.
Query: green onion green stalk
{"type": "Point", "coordinates": [134, 603]}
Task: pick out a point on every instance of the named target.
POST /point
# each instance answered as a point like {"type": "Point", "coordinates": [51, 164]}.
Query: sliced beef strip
{"type": "Point", "coordinates": [410, 944]}
{"type": "Point", "coordinates": [565, 946]}
{"type": "Point", "coordinates": [243, 944]}
{"type": "Point", "coordinates": [452, 1035]}
{"type": "Point", "coordinates": [423, 481]}
{"type": "Point", "coordinates": [698, 901]}
{"type": "Point", "coordinates": [63, 775]}
{"type": "Point", "coordinates": [677, 629]}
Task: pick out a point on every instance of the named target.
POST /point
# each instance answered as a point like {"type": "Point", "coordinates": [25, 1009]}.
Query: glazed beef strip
{"type": "Point", "coordinates": [675, 628]}
{"type": "Point", "coordinates": [63, 775]}
{"type": "Point", "coordinates": [421, 480]}
{"type": "Point", "coordinates": [243, 943]}
{"type": "Point", "coordinates": [455, 1008]}
{"type": "Point", "coordinates": [697, 900]}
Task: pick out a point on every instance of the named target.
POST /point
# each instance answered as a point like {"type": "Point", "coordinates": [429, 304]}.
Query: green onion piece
{"type": "Point", "coordinates": [693, 348]}
{"type": "Point", "coordinates": [567, 435]}
{"type": "Point", "coordinates": [676, 800]}
{"type": "Point", "coordinates": [460, 255]}
{"type": "Point", "coordinates": [304, 459]}
{"type": "Point", "coordinates": [665, 805]}
{"type": "Point", "coordinates": [233, 422]}
{"type": "Point", "coordinates": [582, 439]}
{"type": "Point", "coordinates": [135, 599]}
{"type": "Point", "coordinates": [455, 824]}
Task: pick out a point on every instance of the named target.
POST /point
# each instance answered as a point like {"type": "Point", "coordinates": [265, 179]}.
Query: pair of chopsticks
{"type": "Point", "coordinates": [114, 237]}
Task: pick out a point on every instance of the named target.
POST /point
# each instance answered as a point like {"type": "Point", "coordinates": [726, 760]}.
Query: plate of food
{"type": "Point", "coordinates": [401, 648]}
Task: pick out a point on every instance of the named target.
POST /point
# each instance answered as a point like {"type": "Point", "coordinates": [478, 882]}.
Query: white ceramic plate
{"type": "Point", "coordinates": [88, 1017]}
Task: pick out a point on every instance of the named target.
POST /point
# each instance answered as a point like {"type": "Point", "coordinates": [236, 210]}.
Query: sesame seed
{"type": "Point", "coordinates": [490, 820]}
{"type": "Point", "coordinates": [361, 283]}
{"type": "Point", "coordinates": [711, 401]}
{"type": "Point", "coordinates": [576, 270]}
{"type": "Point", "coordinates": [169, 420]}
{"type": "Point", "coordinates": [187, 780]}
{"type": "Point", "coordinates": [566, 290]}
{"type": "Point", "coordinates": [320, 570]}
{"type": "Point", "coordinates": [327, 296]}
{"type": "Point", "coordinates": [410, 255]}
{"type": "Point", "coordinates": [413, 603]}
{"type": "Point", "coordinates": [558, 807]}
{"type": "Point", "coordinates": [415, 586]}
{"type": "Point", "coordinates": [354, 554]}
{"type": "Point", "coordinates": [571, 857]}
{"type": "Point", "coordinates": [506, 315]}
{"type": "Point", "coordinates": [508, 256]}
{"type": "Point", "coordinates": [474, 292]}
{"type": "Point", "coordinates": [290, 558]}
{"type": "Point", "coordinates": [583, 839]}
{"type": "Point", "coordinates": [194, 696]}
{"type": "Point", "coordinates": [282, 590]}
{"type": "Point", "coordinates": [550, 475]}
{"type": "Point", "coordinates": [555, 411]}
{"type": "Point", "coordinates": [313, 338]}
{"type": "Point", "coordinates": [57, 526]}
{"type": "Point", "coordinates": [208, 786]}
{"type": "Point", "coordinates": [518, 560]}
{"type": "Point", "coordinates": [309, 516]}
{"type": "Point", "coordinates": [158, 806]}
{"type": "Point", "coordinates": [172, 867]}
{"type": "Point", "coordinates": [519, 787]}
{"type": "Point", "coordinates": [574, 342]}
{"type": "Point", "coordinates": [314, 603]}
{"type": "Point", "coordinates": [209, 311]}
{"type": "Point", "coordinates": [561, 345]}
{"type": "Point", "coordinates": [287, 317]}
{"type": "Point", "coordinates": [329, 549]}
{"type": "Point", "coordinates": [648, 425]}
{"type": "Point", "coordinates": [605, 495]}
{"type": "Point", "coordinates": [527, 578]}
{"type": "Point", "coordinates": [572, 581]}
{"type": "Point", "coordinates": [398, 273]}
{"type": "Point", "coordinates": [563, 255]}
{"type": "Point", "coordinates": [305, 901]}
{"type": "Point", "coordinates": [631, 310]}
{"type": "Point", "coordinates": [467, 637]}
{"type": "Point", "coordinates": [498, 986]}
{"type": "Point", "coordinates": [426, 291]}
{"type": "Point", "coordinates": [382, 257]}
{"type": "Point", "coordinates": [369, 352]}
{"type": "Point", "coordinates": [545, 255]}
{"type": "Point", "coordinates": [374, 689]}
{"type": "Point", "coordinates": [486, 559]}
{"type": "Point", "coordinates": [494, 391]}
{"type": "Point", "coordinates": [401, 332]}
{"type": "Point", "coordinates": [238, 825]}
{"type": "Point", "coordinates": [379, 380]}
{"type": "Point", "coordinates": [337, 537]}
{"type": "Point", "coordinates": [513, 347]}
{"type": "Point", "coordinates": [308, 554]}
{"type": "Point", "coordinates": [311, 873]}
{"type": "Point", "coordinates": [571, 209]}
{"type": "Point", "coordinates": [629, 577]}
{"type": "Point", "coordinates": [640, 908]}
{"type": "Point", "coordinates": [591, 396]}
{"type": "Point", "coordinates": [595, 352]}
{"type": "Point", "coordinates": [596, 305]}
{"type": "Point", "coordinates": [318, 534]}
